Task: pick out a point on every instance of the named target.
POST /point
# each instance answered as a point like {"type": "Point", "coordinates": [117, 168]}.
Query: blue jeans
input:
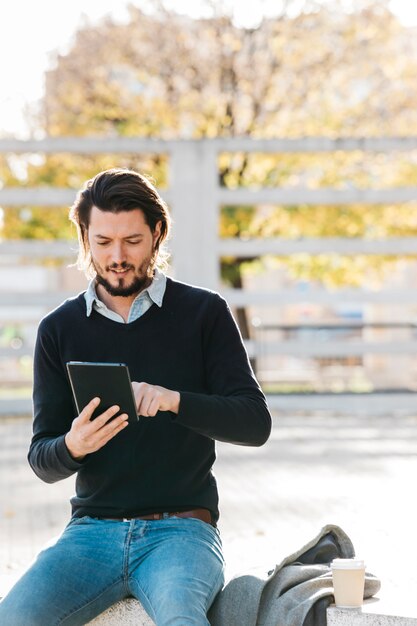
{"type": "Point", "coordinates": [173, 566]}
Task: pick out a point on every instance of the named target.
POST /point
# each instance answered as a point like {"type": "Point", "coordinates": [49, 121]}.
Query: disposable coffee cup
{"type": "Point", "coordinates": [348, 582]}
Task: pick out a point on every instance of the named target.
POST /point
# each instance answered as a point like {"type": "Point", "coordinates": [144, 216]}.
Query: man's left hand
{"type": "Point", "coordinates": [152, 398]}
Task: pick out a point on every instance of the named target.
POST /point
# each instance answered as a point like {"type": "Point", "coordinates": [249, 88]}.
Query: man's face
{"type": "Point", "coordinates": [122, 247]}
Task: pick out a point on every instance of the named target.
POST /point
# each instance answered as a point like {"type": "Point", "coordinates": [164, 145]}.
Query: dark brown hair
{"type": "Point", "coordinates": [118, 190]}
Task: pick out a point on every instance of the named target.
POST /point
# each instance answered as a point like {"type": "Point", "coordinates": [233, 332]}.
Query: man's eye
{"type": "Point", "coordinates": [133, 243]}
{"type": "Point", "coordinates": [102, 243]}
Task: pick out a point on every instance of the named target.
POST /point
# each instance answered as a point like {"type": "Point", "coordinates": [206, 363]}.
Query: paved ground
{"type": "Point", "coordinates": [357, 472]}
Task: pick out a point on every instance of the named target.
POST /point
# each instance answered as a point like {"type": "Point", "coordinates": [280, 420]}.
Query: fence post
{"type": "Point", "coordinates": [193, 188]}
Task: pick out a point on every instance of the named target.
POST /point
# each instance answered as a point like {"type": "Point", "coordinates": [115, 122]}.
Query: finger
{"type": "Point", "coordinates": [154, 406]}
{"type": "Point", "coordinates": [102, 419]}
{"type": "Point", "coordinates": [113, 425]}
{"type": "Point", "coordinates": [89, 409]}
{"type": "Point", "coordinates": [107, 433]}
{"type": "Point", "coordinates": [146, 402]}
{"type": "Point", "coordinates": [141, 404]}
{"type": "Point", "coordinates": [150, 403]}
{"type": "Point", "coordinates": [136, 386]}
{"type": "Point", "coordinates": [140, 390]}
{"type": "Point", "coordinates": [97, 439]}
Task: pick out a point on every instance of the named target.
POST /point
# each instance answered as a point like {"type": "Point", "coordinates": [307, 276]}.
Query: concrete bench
{"type": "Point", "coordinates": [128, 612]}
{"type": "Point", "coordinates": [375, 612]}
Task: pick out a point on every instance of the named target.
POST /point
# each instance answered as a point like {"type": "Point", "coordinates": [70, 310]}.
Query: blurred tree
{"type": "Point", "coordinates": [323, 72]}
{"type": "Point", "coordinates": [317, 71]}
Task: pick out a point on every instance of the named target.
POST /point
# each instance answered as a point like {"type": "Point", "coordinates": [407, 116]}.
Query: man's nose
{"type": "Point", "coordinates": [118, 253]}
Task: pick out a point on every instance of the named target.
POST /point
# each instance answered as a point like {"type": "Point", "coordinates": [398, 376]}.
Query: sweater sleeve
{"type": "Point", "coordinates": [234, 410]}
{"type": "Point", "coordinates": [53, 414]}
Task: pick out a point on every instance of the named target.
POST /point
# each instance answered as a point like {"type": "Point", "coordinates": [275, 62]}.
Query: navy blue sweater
{"type": "Point", "coordinates": [163, 463]}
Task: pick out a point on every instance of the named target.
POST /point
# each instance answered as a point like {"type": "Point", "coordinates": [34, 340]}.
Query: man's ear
{"type": "Point", "coordinates": [157, 232]}
{"type": "Point", "coordinates": [84, 235]}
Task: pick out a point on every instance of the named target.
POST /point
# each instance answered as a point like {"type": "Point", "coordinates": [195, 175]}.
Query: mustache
{"type": "Point", "coordinates": [119, 266]}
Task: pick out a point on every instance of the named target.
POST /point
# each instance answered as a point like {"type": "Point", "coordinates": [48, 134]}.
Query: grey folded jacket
{"type": "Point", "coordinates": [296, 592]}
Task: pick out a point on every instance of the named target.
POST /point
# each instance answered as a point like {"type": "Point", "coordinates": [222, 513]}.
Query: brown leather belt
{"type": "Point", "coordinates": [202, 514]}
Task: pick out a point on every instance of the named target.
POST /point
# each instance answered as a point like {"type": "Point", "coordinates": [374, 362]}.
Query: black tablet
{"type": "Point", "coordinates": [108, 381]}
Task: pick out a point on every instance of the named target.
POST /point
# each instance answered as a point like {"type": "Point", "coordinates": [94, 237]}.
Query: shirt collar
{"type": "Point", "coordinates": [155, 291]}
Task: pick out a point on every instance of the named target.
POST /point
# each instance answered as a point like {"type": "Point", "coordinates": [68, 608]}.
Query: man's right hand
{"type": "Point", "coordinates": [88, 436]}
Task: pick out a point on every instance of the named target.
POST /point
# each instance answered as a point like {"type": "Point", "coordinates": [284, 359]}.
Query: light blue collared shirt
{"type": "Point", "coordinates": [154, 294]}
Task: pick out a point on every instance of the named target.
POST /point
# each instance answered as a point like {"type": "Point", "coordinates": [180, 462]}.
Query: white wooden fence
{"type": "Point", "coordinates": [195, 198]}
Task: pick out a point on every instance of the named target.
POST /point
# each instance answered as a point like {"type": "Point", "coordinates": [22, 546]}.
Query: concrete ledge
{"type": "Point", "coordinates": [373, 613]}
{"type": "Point", "coordinates": [128, 612]}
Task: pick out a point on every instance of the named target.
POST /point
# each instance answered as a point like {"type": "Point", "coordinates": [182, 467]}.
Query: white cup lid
{"type": "Point", "coordinates": [348, 564]}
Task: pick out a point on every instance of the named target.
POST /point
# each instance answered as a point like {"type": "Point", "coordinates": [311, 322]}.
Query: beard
{"type": "Point", "coordinates": [142, 277]}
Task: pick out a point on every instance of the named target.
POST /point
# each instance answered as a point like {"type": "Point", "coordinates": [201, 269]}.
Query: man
{"type": "Point", "coordinates": [146, 505]}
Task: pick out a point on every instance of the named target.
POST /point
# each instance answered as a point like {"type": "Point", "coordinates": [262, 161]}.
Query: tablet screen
{"type": "Point", "coordinates": [108, 381]}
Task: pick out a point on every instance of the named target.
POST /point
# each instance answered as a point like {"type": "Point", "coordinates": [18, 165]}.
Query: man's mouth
{"type": "Point", "coordinates": [121, 271]}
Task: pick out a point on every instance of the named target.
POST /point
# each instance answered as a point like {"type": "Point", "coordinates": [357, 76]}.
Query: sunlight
{"type": "Point", "coordinates": [28, 51]}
